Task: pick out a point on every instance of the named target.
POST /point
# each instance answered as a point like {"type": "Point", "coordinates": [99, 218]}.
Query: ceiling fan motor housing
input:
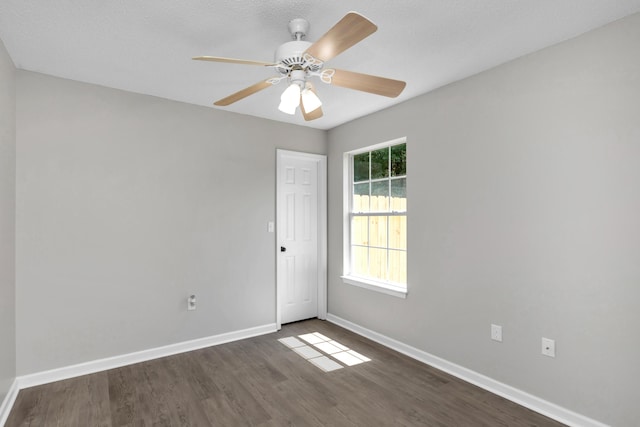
{"type": "Point", "coordinates": [291, 54]}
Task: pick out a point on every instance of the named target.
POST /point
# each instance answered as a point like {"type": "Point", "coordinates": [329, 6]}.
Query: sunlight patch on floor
{"type": "Point", "coordinates": [326, 364]}
{"type": "Point", "coordinates": [326, 345]}
{"type": "Point", "coordinates": [314, 338]}
{"type": "Point", "coordinates": [307, 352]}
{"type": "Point", "coordinates": [291, 342]}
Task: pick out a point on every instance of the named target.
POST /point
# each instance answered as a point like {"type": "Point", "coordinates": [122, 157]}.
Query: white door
{"type": "Point", "coordinates": [301, 236]}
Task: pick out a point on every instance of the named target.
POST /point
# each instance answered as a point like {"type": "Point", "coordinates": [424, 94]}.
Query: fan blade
{"type": "Point", "coordinates": [350, 30]}
{"type": "Point", "coordinates": [368, 83]}
{"type": "Point", "coordinates": [231, 60]}
{"type": "Point", "coordinates": [315, 114]}
{"type": "Point", "coordinates": [243, 93]}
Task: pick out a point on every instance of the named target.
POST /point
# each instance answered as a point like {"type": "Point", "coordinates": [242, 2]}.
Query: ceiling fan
{"type": "Point", "coordinates": [297, 61]}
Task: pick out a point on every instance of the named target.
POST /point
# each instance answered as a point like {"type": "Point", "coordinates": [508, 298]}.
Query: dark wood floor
{"type": "Point", "coordinates": [261, 382]}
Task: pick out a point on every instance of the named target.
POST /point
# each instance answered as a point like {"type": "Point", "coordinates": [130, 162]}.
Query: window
{"type": "Point", "coordinates": [376, 220]}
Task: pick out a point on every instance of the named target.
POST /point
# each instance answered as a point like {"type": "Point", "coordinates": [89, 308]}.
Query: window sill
{"type": "Point", "coordinates": [384, 288]}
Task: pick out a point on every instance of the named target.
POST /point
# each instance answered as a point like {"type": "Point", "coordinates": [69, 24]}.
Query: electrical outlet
{"type": "Point", "coordinates": [496, 332]}
{"type": "Point", "coordinates": [548, 347]}
{"type": "Point", "coordinates": [191, 302]}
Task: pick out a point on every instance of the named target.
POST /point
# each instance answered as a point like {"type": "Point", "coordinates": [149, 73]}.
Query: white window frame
{"type": "Point", "coordinates": [371, 284]}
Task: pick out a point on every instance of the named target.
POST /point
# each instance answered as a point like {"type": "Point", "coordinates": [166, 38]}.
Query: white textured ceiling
{"type": "Point", "coordinates": [145, 46]}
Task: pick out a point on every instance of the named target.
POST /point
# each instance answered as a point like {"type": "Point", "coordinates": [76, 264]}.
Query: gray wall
{"type": "Point", "coordinates": [7, 221]}
{"type": "Point", "coordinates": [524, 210]}
{"type": "Point", "coordinates": [126, 204]}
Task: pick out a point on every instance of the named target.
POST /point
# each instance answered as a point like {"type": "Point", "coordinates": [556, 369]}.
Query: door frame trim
{"type": "Point", "coordinates": [321, 160]}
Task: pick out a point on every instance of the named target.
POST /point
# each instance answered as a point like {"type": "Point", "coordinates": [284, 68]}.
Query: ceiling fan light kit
{"type": "Point", "coordinates": [290, 99]}
{"type": "Point", "coordinates": [299, 60]}
{"type": "Point", "coordinates": [310, 100]}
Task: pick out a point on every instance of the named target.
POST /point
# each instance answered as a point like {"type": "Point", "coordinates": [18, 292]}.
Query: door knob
{"type": "Point", "coordinates": [283, 249]}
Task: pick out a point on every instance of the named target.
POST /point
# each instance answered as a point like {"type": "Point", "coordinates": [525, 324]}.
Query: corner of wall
{"type": "Point", "coordinates": [7, 232]}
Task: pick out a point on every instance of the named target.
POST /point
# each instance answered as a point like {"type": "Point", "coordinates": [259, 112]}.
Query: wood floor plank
{"type": "Point", "coordinates": [97, 410]}
{"type": "Point", "coordinates": [121, 395]}
{"type": "Point", "coordinates": [26, 410]}
{"type": "Point", "coordinates": [261, 382]}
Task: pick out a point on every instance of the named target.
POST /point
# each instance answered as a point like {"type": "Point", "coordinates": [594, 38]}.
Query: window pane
{"type": "Point", "coordinates": [380, 163]}
{"type": "Point", "coordinates": [378, 231]}
{"type": "Point", "coordinates": [379, 196]}
{"type": "Point", "coordinates": [378, 263]}
{"type": "Point", "coordinates": [398, 266]}
{"type": "Point", "coordinates": [360, 197]}
{"type": "Point", "coordinates": [359, 261]}
{"type": "Point", "coordinates": [399, 160]}
{"type": "Point", "coordinates": [399, 195]}
{"type": "Point", "coordinates": [361, 167]}
{"type": "Point", "coordinates": [361, 189]}
{"type": "Point", "coordinates": [398, 232]}
{"type": "Point", "coordinates": [360, 230]}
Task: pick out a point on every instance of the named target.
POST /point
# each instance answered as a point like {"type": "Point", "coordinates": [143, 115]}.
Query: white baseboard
{"type": "Point", "coordinates": [140, 356]}
{"type": "Point", "coordinates": [520, 397]}
{"type": "Point", "coordinates": [7, 403]}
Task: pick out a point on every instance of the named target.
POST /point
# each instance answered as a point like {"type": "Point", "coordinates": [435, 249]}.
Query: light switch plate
{"type": "Point", "coordinates": [496, 332]}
